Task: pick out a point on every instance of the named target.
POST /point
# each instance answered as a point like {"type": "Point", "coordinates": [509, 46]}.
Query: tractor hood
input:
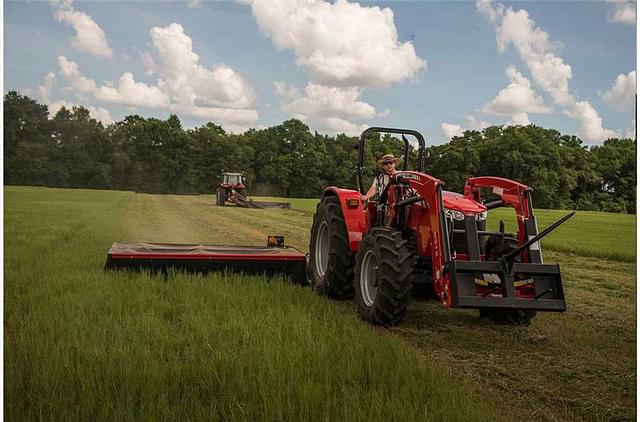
{"type": "Point", "coordinates": [456, 201]}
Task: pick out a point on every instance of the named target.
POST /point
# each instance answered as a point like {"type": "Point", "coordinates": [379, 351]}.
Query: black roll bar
{"type": "Point", "coordinates": [367, 132]}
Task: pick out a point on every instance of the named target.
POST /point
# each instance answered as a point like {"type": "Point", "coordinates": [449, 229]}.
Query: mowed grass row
{"type": "Point", "coordinates": [587, 233]}
{"type": "Point", "coordinates": [84, 344]}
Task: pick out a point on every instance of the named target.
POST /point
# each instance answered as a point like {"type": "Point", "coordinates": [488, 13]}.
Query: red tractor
{"type": "Point", "coordinates": [232, 184]}
{"type": "Point", "coordinates": [417, 234]}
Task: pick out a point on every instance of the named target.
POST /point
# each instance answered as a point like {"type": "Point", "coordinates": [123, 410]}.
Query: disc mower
{"type": "Point", "coordinates": [232, 189]}
{"type": "Point", "coordinates": [272, 259]}
{"type": "Point", "coordinates": [416, 234]}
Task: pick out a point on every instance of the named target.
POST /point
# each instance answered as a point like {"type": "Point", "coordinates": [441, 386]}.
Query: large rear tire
{"type": "Point", "coordinates": [220, 197]}
{"type": "Point", "coordinates": [495, 249]}
{"type": "Point", "coordinates": [383, 277]}
{"type": "Point", "coordinates": [330, 260]}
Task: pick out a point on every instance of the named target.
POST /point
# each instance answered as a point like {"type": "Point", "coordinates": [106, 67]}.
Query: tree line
{"type": "Point", "coordinates": [73, 150]}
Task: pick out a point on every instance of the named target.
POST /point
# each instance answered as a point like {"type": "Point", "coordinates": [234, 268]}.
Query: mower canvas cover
{"type": "Point", "coordinates": [273, 259]}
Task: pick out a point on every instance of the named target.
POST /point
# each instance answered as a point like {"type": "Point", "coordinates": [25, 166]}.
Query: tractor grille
{"type": "Point", "coordinates": [459, 243]}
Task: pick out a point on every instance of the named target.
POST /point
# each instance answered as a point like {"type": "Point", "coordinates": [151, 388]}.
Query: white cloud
{"type": "Point", "coordinates": [230, 116]}
{"type": "Point", "coordinates": [622, 93]}
{"type": "Point", "coordinates": [590, 122]}
{"type": "Point", "coordinates": [631, 130]}
{"type": "Point", "coordinates": [450, 130]}
{"type": "Point", "coordinates": [184, 86]}
{"type": "Point", "coordinates": [127, 92]}
{"type": "Point", "coordinates": [334, 125]}
{"type": "Point", "coordinates": [622, 12]}
{"type": "Point", "coordinates": [341, 43]}
{"type": "Point", "coordinates": [549, 71]}
{"type": "Point", "coordinates": [55, 106]}
{"type": "Point", "coordinates": [285, 90]}
{"type": "Point", "coordinates": [516, 100]}
{"type": "Point", "coordinates": [327, 101]}
{"type": "Point", "coordinates": [471, 123]}
{"type": "Point", "coordinates": [79, 83]}
{"type": "Point", "coordinates": [345, 48]}
{"type": "Point", "coordinates": [99, 113]}
{"type": "Point", "coordinates": [89, 36]}
{"type": "Point", "coordinates": [43, 92]}
{"type": "Point", "coordinates": [188, 82]}
{"type": "Point", "coordinates": [194, 4]}
{"type": "Point", "coordinates": [132, 93]}
{"type": "Point", "coordinates": [148, 63]}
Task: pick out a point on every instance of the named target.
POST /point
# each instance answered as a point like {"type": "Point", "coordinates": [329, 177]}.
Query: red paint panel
{"type": "Point", "coordinates": [356, 219]}
{"type": "Point", "coordinates": [225, 257]}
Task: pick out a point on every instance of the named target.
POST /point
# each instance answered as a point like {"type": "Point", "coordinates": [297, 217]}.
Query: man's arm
{"type": "Point", "coordinates": [371, 191]}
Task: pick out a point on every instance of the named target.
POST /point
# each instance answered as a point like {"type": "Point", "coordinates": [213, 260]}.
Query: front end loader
{"type": "Point", "coordinates": [417, 234]}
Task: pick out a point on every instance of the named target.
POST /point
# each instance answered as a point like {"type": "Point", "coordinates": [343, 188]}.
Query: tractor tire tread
{"type": "Point", "coordinates": [394, 288]}
{"type": "Point", "coordinates": [338, 280]}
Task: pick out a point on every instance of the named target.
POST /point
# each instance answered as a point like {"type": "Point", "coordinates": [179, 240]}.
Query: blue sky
{"type": "Point", "coordinates": [439, 67]}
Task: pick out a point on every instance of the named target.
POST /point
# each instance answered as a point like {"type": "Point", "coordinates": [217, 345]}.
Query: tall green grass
{"type": "Point", "coordinates": [587, 233]}
{"type": "Point", "coordinates": [84, 344]}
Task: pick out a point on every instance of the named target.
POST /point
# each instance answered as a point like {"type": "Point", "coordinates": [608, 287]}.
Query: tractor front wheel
{"type": "Point", "coordinates": [330, 260]}
{"type": "Point", "coordinates": [383, 277]}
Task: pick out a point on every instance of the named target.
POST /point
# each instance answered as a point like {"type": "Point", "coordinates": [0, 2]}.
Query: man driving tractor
{"type": "Point", "coordinates": [388, 164]}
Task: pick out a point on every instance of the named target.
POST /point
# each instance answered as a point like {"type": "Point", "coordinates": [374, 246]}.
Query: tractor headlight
{"type": "Point", "coordinates": [453, 214]}
{"type": "Point", "coordinates": [482, 216]}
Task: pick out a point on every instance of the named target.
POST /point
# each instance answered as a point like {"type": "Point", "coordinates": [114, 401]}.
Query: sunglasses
{"type": "Point", "coordinates": [386, 163]}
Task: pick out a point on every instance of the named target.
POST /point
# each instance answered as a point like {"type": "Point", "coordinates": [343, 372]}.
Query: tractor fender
{"type": "Point", "coordinates": [356, 219]}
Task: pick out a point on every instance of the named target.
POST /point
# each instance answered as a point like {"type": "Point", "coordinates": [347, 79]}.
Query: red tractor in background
{"type": "Point", "coordinates": [232, 189]}
{"type": "Point", "coordinates": [231, 184]}
{"type": "Point", "coordinates": [417, 234]}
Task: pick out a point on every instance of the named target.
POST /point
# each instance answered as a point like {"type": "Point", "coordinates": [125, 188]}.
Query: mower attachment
{"type": "Point", "coordinates": [242, 201]}
{"type": "Point", "coordinates": [272, 259]}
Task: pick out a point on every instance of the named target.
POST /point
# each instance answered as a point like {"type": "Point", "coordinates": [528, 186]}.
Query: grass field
{"type": "Point", "coordinates": [84, 344]}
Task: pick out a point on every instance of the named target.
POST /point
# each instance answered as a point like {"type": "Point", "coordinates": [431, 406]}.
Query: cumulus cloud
{"type": "Point", "coordinates": [197, 91]}
{"type": "Point", "coordinates": [631, 130]}
{"type": "Point", "coordinates": [127, 92]}
{"type": "Point", "coordinates": [547, 68]}
{"type": "Point", "coordinates": [184, 86]}
{"type": "Point", "coordinates": [450, 130]}
{"type": "Point", "coordinates": [345, 48]}
{"type": "Point", "coordinates": [516, 100]}
{"type": "Point", "coordinates": [79, 83]}
{"type": "Point", "coordinates": [622, 93]}
{"type": "Point", "coordinates": [327, 101]}
{"type": "Point", "coordinates": [89, 37]}
{"type": "Point", "coordinates": [43, 92]}
{"type": "Point", "coordinates": [341, 43]}
{"type": "Point", "coordinates": [471, 123]}
{"type": "Point", "coordinates": [99, 113]}
{"type": "Point", "coordinates": [132, 93]}
{"type": "Point", "coordinates": [285, 90]}
{"type": "Point", "coordinates": [335, 125]}
{"type": "Point", "coordinates": [622, 12]}
{"type": "Point", "coordinates": [590, 122]}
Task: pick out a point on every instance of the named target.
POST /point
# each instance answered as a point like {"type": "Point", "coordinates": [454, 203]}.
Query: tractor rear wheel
{"type": "Point", "coordinates": [496, 248]}
{"type": "Point", "coordinates": [330, 260]}
{"type": "Point", "coordinates": [220, 197]}
{"type": "Point", "coordinates": [383, 276]}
